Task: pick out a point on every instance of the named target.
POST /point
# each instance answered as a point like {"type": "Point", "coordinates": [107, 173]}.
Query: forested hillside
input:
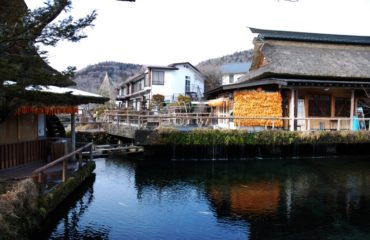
{"type": "Point", "coordinates": [237, 57]}
{"type": "Point", "coordinates": [90, 77]}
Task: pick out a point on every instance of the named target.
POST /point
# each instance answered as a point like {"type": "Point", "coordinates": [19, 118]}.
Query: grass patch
{"type": "Point", "coordinates": [17, 207]}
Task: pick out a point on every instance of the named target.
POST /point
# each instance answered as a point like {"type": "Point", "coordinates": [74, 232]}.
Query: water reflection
{"type": "Point", "coordinates": [306, 199]}
{"type": "Point", "coordinates": [265, 199]}
{"type": "Point", "coordinates": [65, 221]}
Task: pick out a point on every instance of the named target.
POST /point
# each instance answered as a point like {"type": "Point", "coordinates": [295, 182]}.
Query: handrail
{"type": "Point", "coordinates": [38, 174]}
{"type": "Point", "coordinates": [197, 115]}
{"type": "Point", "coordinates": [206, 119]}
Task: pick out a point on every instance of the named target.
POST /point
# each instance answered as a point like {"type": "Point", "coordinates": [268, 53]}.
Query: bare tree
{"type": "Point", "coordinates": [213, 76]}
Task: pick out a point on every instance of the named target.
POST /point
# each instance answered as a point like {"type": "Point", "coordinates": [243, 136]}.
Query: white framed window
{"type": "Point", "coordinates": [187, 84]}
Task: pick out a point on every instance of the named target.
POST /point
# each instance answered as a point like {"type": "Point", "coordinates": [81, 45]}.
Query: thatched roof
{"type": "Point", "coordinates": [285, 58]}
{"type": "Point", "coordinates": [308, 57]}
{"type": "Point", "coordinates": [312, 60]}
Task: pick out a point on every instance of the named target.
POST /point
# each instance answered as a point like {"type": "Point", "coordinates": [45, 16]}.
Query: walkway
{"type": "Point", "coordinates": [26, 171]}
{"type": "Point", "coordinates": [20, 172]}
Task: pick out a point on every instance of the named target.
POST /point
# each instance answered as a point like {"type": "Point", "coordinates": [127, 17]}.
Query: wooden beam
{"type": "Point", "coordinates": [291, 109]}
{"type": "Point", "coordinates": [73, 131]}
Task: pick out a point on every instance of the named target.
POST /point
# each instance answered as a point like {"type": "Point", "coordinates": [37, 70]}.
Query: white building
{"type": "Point", "coordinates": [231, 72]}
{"type": "Point", "coordinates": [170, 81]}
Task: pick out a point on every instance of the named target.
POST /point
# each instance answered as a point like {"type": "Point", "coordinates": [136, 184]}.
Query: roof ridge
{"type": "Point", "coordinates": [265, 34]}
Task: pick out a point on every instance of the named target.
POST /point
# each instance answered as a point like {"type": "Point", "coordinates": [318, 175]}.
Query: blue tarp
{"type": "Point", "coordinates": [356, 124]}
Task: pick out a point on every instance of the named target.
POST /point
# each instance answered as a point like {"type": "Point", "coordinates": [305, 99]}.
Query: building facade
{"type": "Point", "coordinates": [309, 81]}
{"type": "Point", "coordinates": [170, 81]}
{"type": "Point", "coordinates": [232, 72]}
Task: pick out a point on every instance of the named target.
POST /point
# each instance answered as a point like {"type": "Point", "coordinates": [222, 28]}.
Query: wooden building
{"type": "Point", "coordinates": [27, 132]}
{"type": "Point", "coordinates": [322, 81]}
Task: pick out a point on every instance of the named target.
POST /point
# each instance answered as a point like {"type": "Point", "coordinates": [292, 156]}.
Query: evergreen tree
{"type": "Point", "coordinates": [20, 59]}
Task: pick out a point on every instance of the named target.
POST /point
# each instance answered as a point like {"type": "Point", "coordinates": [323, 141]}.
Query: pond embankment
{"type": "Point", "coordinates": [207, 144]}
{"type": "Point", "coordinates": [26, 204]}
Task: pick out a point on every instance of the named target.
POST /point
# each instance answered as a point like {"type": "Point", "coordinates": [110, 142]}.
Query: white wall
{"type": "Point", "coordinates": [174, 82]}
{"type": "Point", "coordinates": [226, 78]}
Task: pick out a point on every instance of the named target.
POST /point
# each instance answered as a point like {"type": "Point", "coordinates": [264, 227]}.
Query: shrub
{"type": "Point", "coordinates": [271, 137]}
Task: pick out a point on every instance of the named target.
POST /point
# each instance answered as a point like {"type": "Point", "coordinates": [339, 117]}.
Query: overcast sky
{"type": "Point", "coordinates": [160, 32]}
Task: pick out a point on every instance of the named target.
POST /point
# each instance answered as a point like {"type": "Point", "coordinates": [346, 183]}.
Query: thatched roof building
{"type": "Point", "coordinates": [291, 58]}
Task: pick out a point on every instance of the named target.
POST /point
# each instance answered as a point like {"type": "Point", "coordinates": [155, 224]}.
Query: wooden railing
{"type": "Point", "coordinates": [231, 122]}
{"type": "Point", "coordinates": [40, 174]}
{"type": "Point", "coordinates": [15, 154]}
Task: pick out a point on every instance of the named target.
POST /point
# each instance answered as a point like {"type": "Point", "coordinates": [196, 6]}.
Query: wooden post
{"type": "Point", "coordinates": [338, 125]}
{"type": "Point", "coordinates": [91, 152]}
{"type": "Point", "coordinates": [79, 160]}
{"type": "Point", "coordinates": [65, 169]}
{"type": "Point", "coordinates": [41, 178]}
{"type": "Point", "coordinates": [352, 108]}
{"type": "Point", "coordinates": [73, 131]}
{"type": "Point", "coordinates": [291, 109]}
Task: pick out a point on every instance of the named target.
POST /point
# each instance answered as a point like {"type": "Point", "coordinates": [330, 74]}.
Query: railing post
{"type": "Point", "coordinates": [40, 178]}
{"type": "Point", "coordinates": [308, 124]}
{"type": "Point", "coordinates": [79, 160]}
{"type": "Point", "coordinates": [64, 171]}
{"type": "Point", "coordinates": [338, 125]}
{"type": "Point", "coordinates": [91, 153]}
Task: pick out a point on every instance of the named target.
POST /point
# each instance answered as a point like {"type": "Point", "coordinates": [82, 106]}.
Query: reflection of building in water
{"type": "Point", "coordinates": [257, 198]}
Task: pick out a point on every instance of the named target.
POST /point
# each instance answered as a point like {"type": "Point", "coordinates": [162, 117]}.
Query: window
{"type": "Point", "coordinates": [231, 78]}
{"type": "Point", "coordinates": [158, 77]}
{"type": "Point", "coordinates": [187, 84]}
{"type": "Point", "coordinates": [137, 86]}
{"type": "Point", "coordinates": [319, 106]}
{"type": "Point", "coordinates": [342, 107]}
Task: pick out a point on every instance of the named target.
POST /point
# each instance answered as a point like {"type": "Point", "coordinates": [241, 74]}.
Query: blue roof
{"type": "Point", "coordinates": [235, 67]}
{"type": "Point", "coordinates": [311, 37]}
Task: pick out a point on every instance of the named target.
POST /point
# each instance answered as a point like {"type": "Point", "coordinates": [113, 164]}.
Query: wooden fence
{"type": "Point", "coordinates": [40, 174]}
{"type": "Point", "coordinates": [15, 154]}
{"type": "Point", "coordinates": [231, 122]}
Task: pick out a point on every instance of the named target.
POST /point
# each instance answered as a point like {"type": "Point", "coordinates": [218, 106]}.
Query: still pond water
{"type": "Point", "coordinates": [259, 199]}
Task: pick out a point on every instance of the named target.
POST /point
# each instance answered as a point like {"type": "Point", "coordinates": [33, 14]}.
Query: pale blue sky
{"type": "Point", "coordinates": [161, 32]}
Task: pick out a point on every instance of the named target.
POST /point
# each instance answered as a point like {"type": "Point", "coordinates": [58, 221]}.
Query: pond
{"type": "Point", "coordinates": [256, 199]}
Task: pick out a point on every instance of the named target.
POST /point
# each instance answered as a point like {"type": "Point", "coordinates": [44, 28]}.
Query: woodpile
{"type": "Point", "coordinates": [258, 104]}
